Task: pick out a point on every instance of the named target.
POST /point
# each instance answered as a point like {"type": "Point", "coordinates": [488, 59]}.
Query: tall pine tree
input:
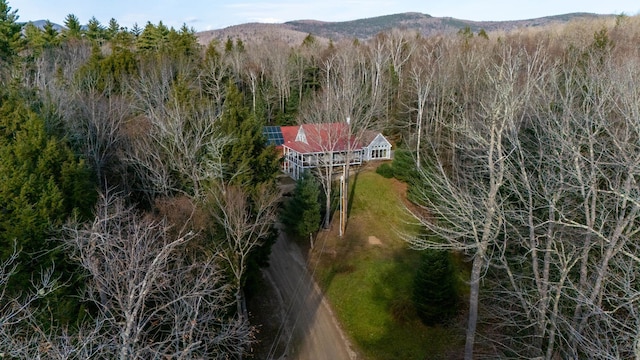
{"type": "Point", "coordinates": [301, 213]}
{"type": "Point", "coordinates": [42, 184]}
{"type": "Point", "coordinates": [73, 28]}
{"type": "Point", "coordinates": [10, 32]}
{"type": "Point", "coordinates": [248, 158]}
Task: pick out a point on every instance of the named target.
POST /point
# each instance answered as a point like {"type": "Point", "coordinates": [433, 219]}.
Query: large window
{"type": "Point", "coordinates": [380, 153]}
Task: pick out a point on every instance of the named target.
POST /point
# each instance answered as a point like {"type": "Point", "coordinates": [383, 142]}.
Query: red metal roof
{"type": "Point", "coordinates": [320, 138]}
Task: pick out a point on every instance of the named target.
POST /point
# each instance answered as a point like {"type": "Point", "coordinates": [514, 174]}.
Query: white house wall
{"type": "Point", "coordinates": [378, 149]}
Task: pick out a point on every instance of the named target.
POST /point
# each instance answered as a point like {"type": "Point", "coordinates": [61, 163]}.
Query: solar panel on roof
{"type": "Point", "coordinates": [273, 135]}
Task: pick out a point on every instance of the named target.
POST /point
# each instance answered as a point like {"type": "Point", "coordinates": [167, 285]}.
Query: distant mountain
{"type": "Point", "coordinates": [254, 32]}
{"type": "Point", "coordinates": [294, 31]}
{"type": "Point", "coordinates": [41, 23]}
{"type": "Point", "coordinates": [423, 23]}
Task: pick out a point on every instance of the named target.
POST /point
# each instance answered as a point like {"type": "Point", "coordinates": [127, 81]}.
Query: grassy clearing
{"type": "Point", "coordinates": [367, 276]}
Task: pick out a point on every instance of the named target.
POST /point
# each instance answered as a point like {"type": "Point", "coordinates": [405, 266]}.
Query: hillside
{"type": "Point", "coordinates": [294, 31]}
{"type": "Point", "coordinates": [254, 33]}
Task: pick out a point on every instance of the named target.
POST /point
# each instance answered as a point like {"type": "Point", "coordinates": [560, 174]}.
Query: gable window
{"type": "Point", "coordinates": [301, 136]}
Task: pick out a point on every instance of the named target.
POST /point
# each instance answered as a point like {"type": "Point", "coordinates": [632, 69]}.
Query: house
{"type": "Point", "coordinates": [309, 146]}
{"type": "Point", "coordinates": [377, 146]}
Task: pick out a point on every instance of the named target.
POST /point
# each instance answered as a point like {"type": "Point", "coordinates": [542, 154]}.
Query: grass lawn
{"type": "Point", "coordinates": [367, 276]}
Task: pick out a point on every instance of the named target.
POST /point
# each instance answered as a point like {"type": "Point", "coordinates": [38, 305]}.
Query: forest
{"type": "Point", "coordinates": [138, 196]}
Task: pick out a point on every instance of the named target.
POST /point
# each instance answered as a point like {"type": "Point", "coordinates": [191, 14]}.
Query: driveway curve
{"type": "Point", "coordinates": [309, 328]}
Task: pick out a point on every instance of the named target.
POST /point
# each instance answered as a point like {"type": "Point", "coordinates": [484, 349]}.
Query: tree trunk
{"type": "Point", "coordinates": [239, 304]}
{"type": "Point", "coordinates": [327, 212]}
{"type": "Point", "coordinates": [419, 129]}
{"type": "Point", "coordinates": [474, 287]}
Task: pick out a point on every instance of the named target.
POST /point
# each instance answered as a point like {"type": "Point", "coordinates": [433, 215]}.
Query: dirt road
{"type": "Point", "coordinates": [310, 330]}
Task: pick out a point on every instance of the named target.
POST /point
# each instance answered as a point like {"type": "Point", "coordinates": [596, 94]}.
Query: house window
{"type": "Point", "coordinates": [379, 153]}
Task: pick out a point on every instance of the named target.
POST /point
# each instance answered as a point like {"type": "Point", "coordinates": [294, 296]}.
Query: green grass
{"type": "Point", "coordinates": [370, 286]}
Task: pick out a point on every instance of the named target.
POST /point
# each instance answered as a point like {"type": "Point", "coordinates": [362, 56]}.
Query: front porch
{"type": "Point", "coordinates": [295, 163]}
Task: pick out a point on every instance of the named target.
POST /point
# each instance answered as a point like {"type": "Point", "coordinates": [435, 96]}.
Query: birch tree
{"type": "Point", "coordinates": [422, 72]}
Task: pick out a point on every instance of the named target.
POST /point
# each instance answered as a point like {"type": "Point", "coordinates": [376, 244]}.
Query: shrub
{"type": "Point", "coordinates": [385, 170]}
{"type": "Point", "coordinates": [402, 310]}
{"type": "Point", "coordinates": [404, 166]}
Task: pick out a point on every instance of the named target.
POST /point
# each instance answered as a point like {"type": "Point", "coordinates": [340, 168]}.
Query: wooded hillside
{"type": "Point", "coordinates": [292, 32]}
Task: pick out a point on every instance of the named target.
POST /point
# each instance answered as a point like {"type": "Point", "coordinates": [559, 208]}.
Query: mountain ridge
{"type": "Point", "coordinates": [362, 29]}
{"type": "Point", "coordinates": [294, 32]}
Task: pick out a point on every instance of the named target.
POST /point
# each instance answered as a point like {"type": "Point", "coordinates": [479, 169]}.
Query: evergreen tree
{"type": "Point", "coordinates": [249, 160]}
{"type": "Point", "coordinates": [50, 35]}
{"type": "Point", "coordinates": [250, 164]}
{"type": "Point", "coordinates": [34, 38]}
{"type": "Point", "coordinates": [42, 184]}
{"type": "Point", "coordinates": [434, 293]}
{"type": "Point", "coordinates": [112, 29]}
{"type": "Point", "coordinates": [73, 28]}
{"type": "Point", "coordinates": [121, 64]}
{"type": "Point", "coordinates": [122, 41]}
{"type": "Point", "coordinates": [135, 30]}
{"type": "Point", "coordinates": [483, 34]}
{"type": "Point", "coordinates": [239, 45]}
{"type": "Point", "coordinates": [183, 43]}
{"type": "Point", "coordinates": [10, 32]}
{"type": "Point", "coordinates": [153, 38]}
{"type": "Point", "coordinates": [228, 45]}
{"type": "Point", "coordinates": [211, 52]}
{"type": "Point", "coordinates": [88, 77]}
{"type": "Point", "coordinates": [95, 31]}
{"type": "Point", "coordinates": [301, 213]}
{"type": "Point", "coordinates": [309, 40]}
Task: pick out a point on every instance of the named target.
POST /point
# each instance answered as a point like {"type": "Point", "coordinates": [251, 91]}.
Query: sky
{"type": "Point", "coordinates": [204, 15]}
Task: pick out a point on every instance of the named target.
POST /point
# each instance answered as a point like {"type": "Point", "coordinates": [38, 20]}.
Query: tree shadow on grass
{"type": "Point", "coordinates": [352, 192]}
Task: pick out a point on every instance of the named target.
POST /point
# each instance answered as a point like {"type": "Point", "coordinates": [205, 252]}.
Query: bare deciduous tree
{"type": "Point", "coordinates": [422, 72]}
{"type": "Point", "coordinates": [175, 147]}
{"type": "Point", "coordinates": [545, 199]}
{"type": "Point", "coordinates": [466, 205]}
{"type": "Point", "coordinates": [22, 333]}
{"type": "Point", "coordinates": [246, 221]}
{"type": "Point", "coordinates": [154, 300]}
{"type": "Point", "coordinates": [213, 77]}
{"type": "Point", "coordinates": [400, 46]}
